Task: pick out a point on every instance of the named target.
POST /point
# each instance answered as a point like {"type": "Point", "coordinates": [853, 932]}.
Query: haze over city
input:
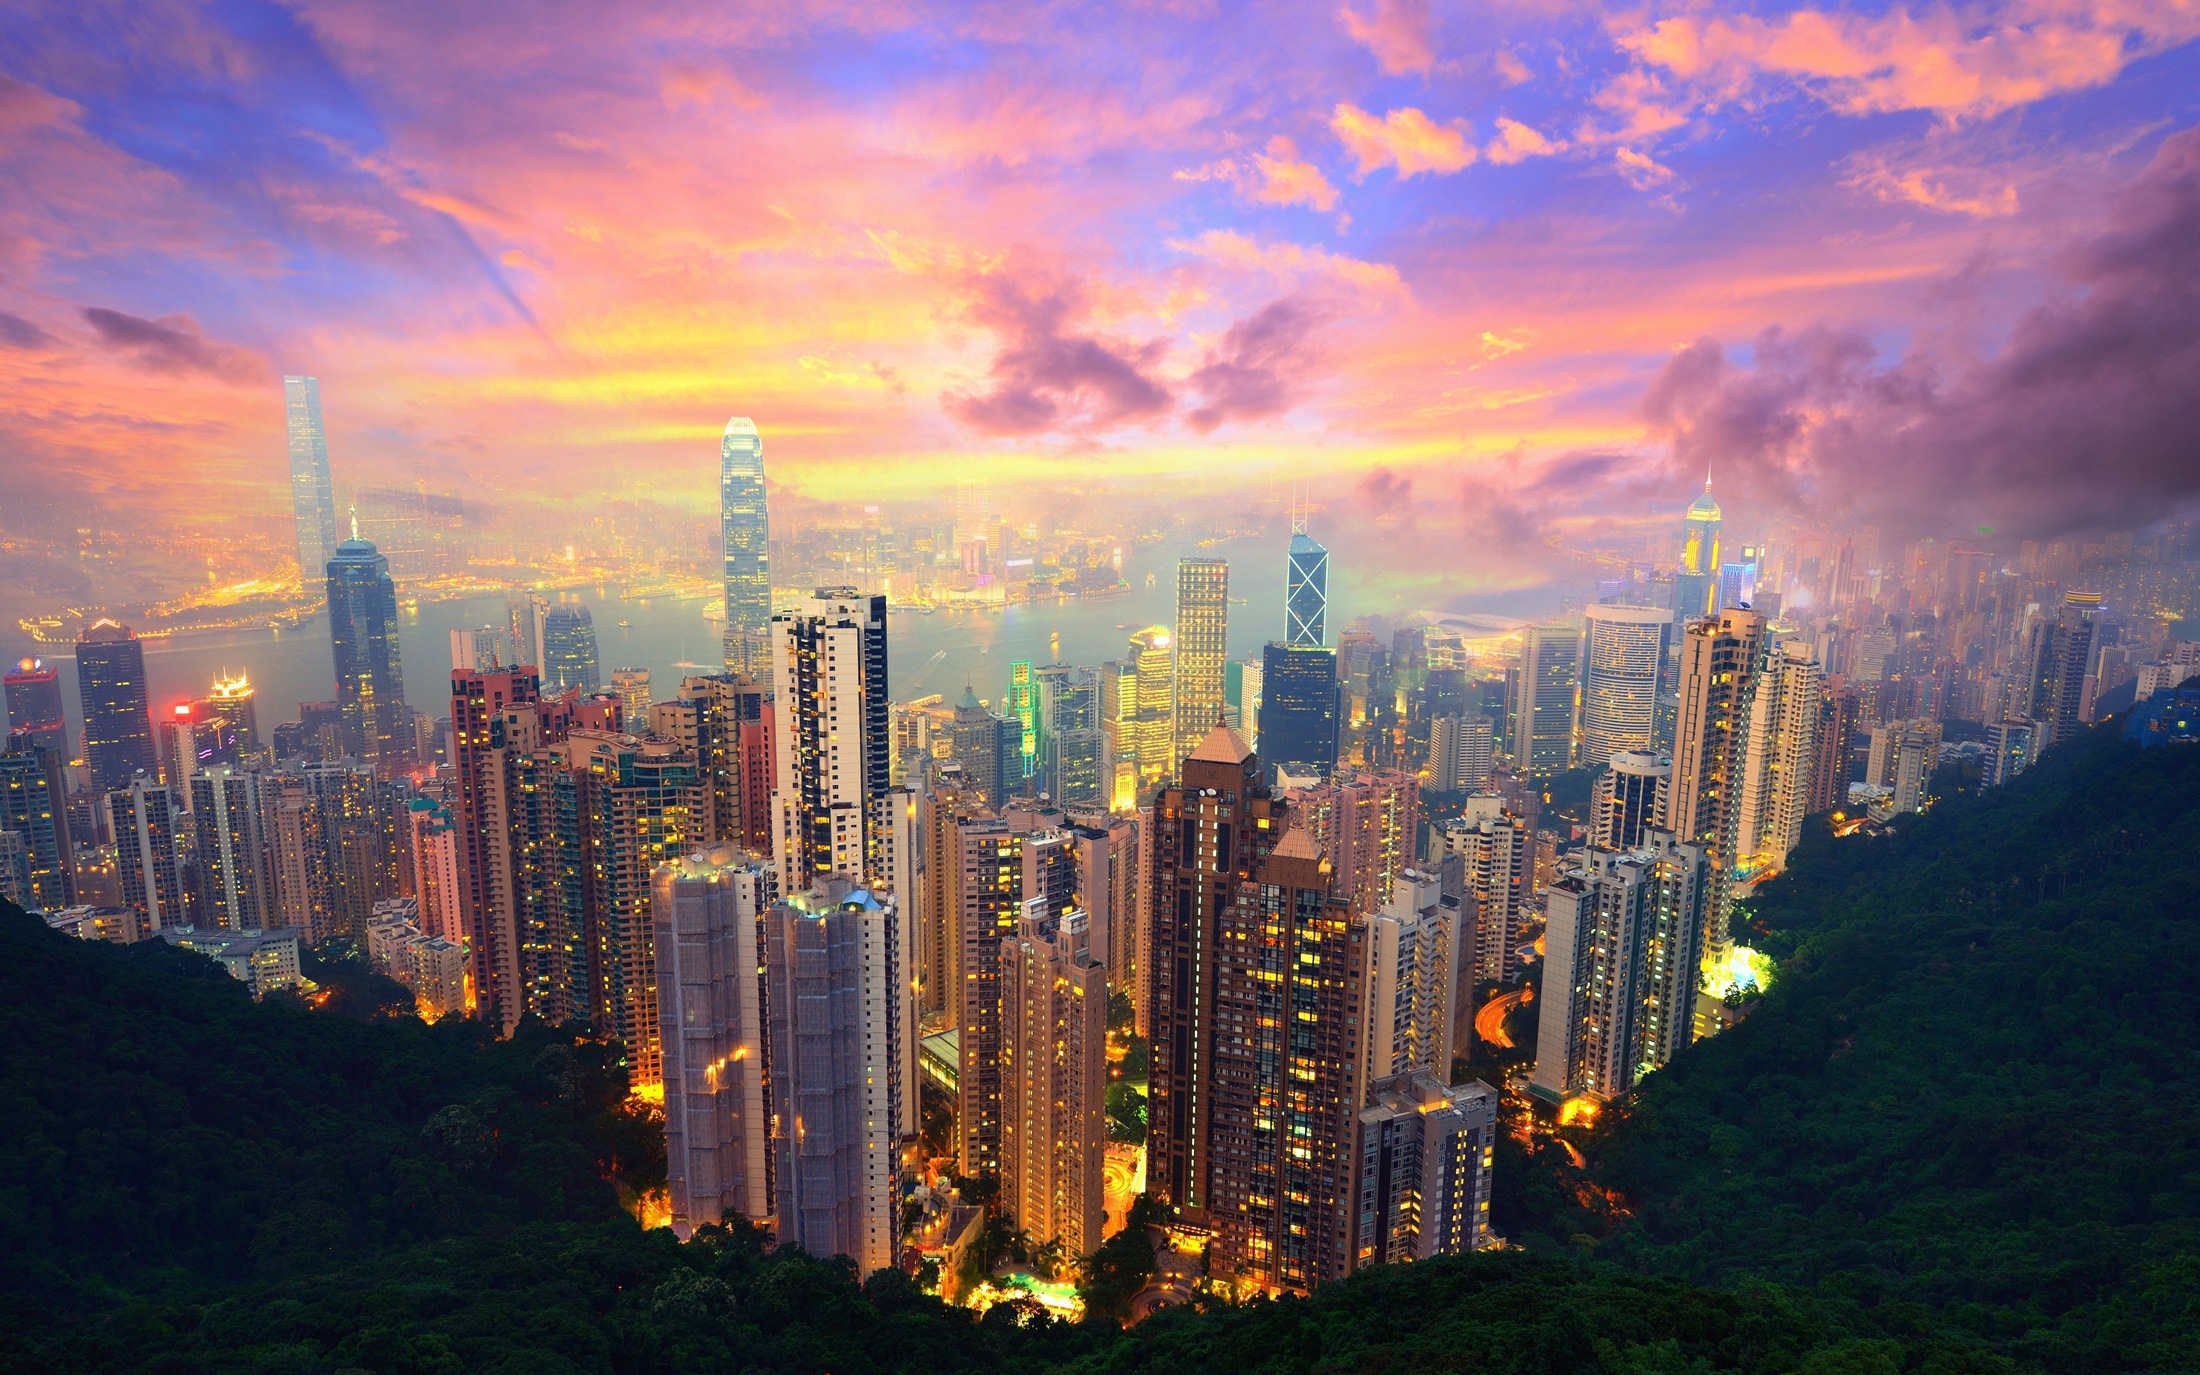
{"type": "Point", "coordinates": [1076, 690]}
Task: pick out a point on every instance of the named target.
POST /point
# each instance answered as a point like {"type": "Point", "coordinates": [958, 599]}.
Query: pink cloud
{"type": "Point", "coordinates": [1049, 376]}
{"type": "Point", "coordinates": [1516, 142]}
{"type": "Point", "coordinates": [1397, 32]}
{"type": "Point", "coordinates": [1405, 139]}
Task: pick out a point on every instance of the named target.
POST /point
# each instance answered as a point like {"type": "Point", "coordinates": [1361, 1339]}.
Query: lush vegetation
{"type": "Point", "coordinates": [1957, 1136]}
{"type": "Point", "coordinates": [1973, 1094]}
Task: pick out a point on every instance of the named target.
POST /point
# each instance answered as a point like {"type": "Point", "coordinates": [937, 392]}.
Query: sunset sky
{"type": "Point", "coordinates": [1478, 271]}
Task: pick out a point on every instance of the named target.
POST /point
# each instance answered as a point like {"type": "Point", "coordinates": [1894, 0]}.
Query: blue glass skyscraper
{"type": "Point", "coordinates": [1306, 593]}
{"type": "Point", "coordinates": [312, 501]}
{"type": "Point", "coordinates": [746, 530]}
{"type": "Point", "coordinates": [370, 679]}
{"type": "Point", "coordinates": [569, 650]}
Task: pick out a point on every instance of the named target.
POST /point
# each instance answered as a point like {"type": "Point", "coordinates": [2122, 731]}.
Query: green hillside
{"type": "Point", "coordinates": [1973, 1095]}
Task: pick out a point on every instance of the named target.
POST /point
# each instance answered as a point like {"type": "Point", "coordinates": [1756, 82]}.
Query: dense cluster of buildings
{"type": "Point", "coordinates": [1293, 876]}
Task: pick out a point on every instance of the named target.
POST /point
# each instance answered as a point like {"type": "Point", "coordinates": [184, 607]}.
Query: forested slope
{"type": "Point", "coordinates": [1974, 1094]}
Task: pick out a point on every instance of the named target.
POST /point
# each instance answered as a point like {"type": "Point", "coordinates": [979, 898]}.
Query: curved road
{"type": "Point", "coordinates": [1489, 1021]}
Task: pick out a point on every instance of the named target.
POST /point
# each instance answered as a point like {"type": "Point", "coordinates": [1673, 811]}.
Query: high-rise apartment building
{"type": "Point", "coordinates": [631, 686]}
{"type": "Point", "coordinates": [1624, 652]}
{"type": "Point", "coordinates": [1461, 752]}
{"type": "Point", "coordinates": [34, 704]}
{"type": "Point", "coordinates": [433, 834]}
{"type": "Point", "coordinates": [1720, 658]}
{"type": "Point", "coordinates": [1622, 946]}
{"type": "Point", "coordinates": [1412, 1004]}
{"type": "Point", "coordinates": [745, 528]}
{"type": "Point", "coordinates": [1054, 1055]}
{"type": "Point", "coordinates": [1627, 798]}
{"type": "Point", "coordinates": [2010, 746]}
{"type": "Point", "coordinates": [34, 805]}
{"type": "Point", "coordinates": [836, 987]}
{"type": "Point", "coordinates": [640, 803]}
{"type": "Point", "coordinates": [1829, 772]}
{"type": "Point", "coordinates": [111, 692]}
{"type": "Point", "coordinates": [1364, 824]}
{"type": "Point", "coordinates": [312, 497]}
{"type": "Point", "coordinates": [1299, 709]}
{"type": "Point", "coordinates": [370, 675]}
{"type": "Point", "coordinates": [834, 751]}
{"type": "Point", "coordinates": [1779, 756]}
{"type": "Point", "coordinates": [480, 712]}
{"type": "Point", "coordinates": [1902, 759]}
{"type": "Point", "coordinates": [708, 909]}
{"type": "Point", "coordinates": [1497, 849]}
{"type": "Point", "coordinates": [1306, 593]}
{"type": "Point", "coordinates": [1210, 833]}
{"type": "Point", "coordinates": [1286, 1026]}
{"type": "Point", "coordinates": [1541, 731]}
{"type": "Point", "coordinates": [1426, 1148]}
{"type": "Point", "coordinates": [1022, 720]}
{"type": "Point", "coordinates": [1202, 647]}
{"type": "Point", "coordinates": [231, 847]}
{"type": "Point", "coordinates": [144, 817]}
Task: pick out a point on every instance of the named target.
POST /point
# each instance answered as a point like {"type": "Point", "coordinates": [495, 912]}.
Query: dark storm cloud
{"type": "Point", "coordinates": [17, 332]}
{"type": "Point", "coordinates": [172, 344]}
{"type": "Point", "coordinates": [1259, 366]}
{"type": "Point", "coordinates": [2087, 419]}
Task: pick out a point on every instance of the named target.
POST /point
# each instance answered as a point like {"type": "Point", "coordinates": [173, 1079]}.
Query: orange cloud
{"type": "Point", "coordinates": [1405, 139]}
{"type": "Point", "coordinates": [1285, 180]}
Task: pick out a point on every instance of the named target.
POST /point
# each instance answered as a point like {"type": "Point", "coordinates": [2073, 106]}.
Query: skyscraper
{"type": "Point", "coordinates": [1241, 698]}
{"type": "Point", "coordinates": [1306, 593]}
{"type": "Point", "coordinates": [1720, 658]}
{"type": "Point", "coordinates": [370, 679]}
{"type": "Point", "coordinates": [836, 982]}
{"type": "Point", "coordinates": [1779, 756]}
{"type": "Point", "coordinates": [835, 751]}
{"type": "Point", "coordinates": [34, 704]}
{"type": "Point", "coordinates": [226, 823]}
{"type": "Point", "coordinates": [1211, 830]}
{"type": "Point", "coordinates": [2061, 654]}
{"type": "Point", "coordinates": [1286, 1024]}
{"type": "Point", "coordinates": [1364, 823]}
{"type": "Point", "coordinates": [110, 687]}
{"type": "Point", "coordinates": [1299, 709]}
{"type": "Point", "coordinates": [569, 649]}
{"type": "Point", "coordinates": [1699, 553]}
{"type": "Point", "coordinates": [1461, 750]}
{"type": "Point", "coordinates": [708, 907]}
{"type": "Point", "coordinates": [34, 804]}
{"type": "Point", "coordinates": [1202, 647]}
{"type": "Point", "coordinates": [1625, 650]}
{"type": "Point", "coordinates": [143, 815]}
{"type": "Point", "coordinates": [479, 706]}
{"type": "Point", "coordinates": [231, 700]}
{"type": "Point", "coordinates": [1054, 1077]}
{"type": "Point", "coordinates": [1023, 723]}
{"type": "Point", "coordinates": [1425, 1153]}
{"type": "Point", "coordinates": [745, 527]}
{"type": "Point", "coordinates": [641, 802]}
{"type": "Point", "coordinates": [632, 687]}
{"type": "Point", "coordinates": [1621, 954]}
{"type": "Point", "coordinates": [2010, 744]}
{"type": "Point", "coordinates": [1626, 798]}
{"type": "Point", "coordinates": [1498, 850]}
{"type": "Point", "coordinates": [1147, 727]}
{"type": "Point", "coordinates": [312, 498]}
{"type": "Point", "coordinates": [1414, 943]}
{"type": "Point", "coordinates": [1542, 734]}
